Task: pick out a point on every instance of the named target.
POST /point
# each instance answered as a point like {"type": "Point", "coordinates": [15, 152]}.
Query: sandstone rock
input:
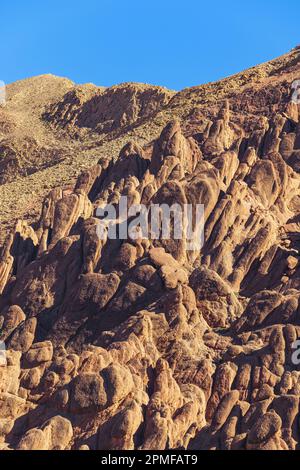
{"type": "Point", "coordinates": [55, 434]}
{"type": "Point", "coordinates": [31, 378]}
{"type": "Point", "coordinates": [265, 434]}
{"type": "Point", "coordinates": [125, 427]}
{"type": "Point", "coordinates": [172, 142]}
{"type": "Point", "coordinates": [224, 409]}
{"type": "Point", "coordinates": [58, 432]}
{"type": "Point", "coordinates": [159, 343]}
{"type": "Point", "coordinates": [39, 353]}
{"type": "Point", "coordinates": [67, 212]}
{"type": "Point", "coordinates": [11, 406]}
{"type": "Point", "coordinates": [12, 317]}
{"type": "Point", "coordinates": [118, 383]}
{"type": "Point", "coordinates": [88, 393]}
{"type": "Point", "coordinates": [215, 298]}
{"type": "Point", "coordinates": [34, 439]}
{"type": "Point", "coordinates": [23, 337]}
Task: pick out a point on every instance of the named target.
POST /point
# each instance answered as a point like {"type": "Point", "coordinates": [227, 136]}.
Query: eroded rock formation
{"type": "Point", "coordinates": [143, 344]}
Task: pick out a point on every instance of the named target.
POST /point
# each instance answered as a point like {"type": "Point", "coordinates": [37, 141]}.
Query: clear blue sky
{"type": "Point", "coordinates": [164, 42]}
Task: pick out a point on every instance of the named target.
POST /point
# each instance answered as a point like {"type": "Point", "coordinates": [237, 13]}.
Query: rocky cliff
{"type": "Point", "coordinates": [142, 344]}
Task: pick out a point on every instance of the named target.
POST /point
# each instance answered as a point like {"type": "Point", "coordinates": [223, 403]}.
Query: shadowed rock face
{"type": "Point", "coordinates": [142, 344]}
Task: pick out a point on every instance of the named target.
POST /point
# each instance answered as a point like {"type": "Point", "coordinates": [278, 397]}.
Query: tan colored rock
{"type": "Point", "coordinates": [55, 434]}
{"type": "Point", "coordinates": [12, 317]}
{"type": "Point", "coordinates": [67, 212]}
{"type": "Point", "coordinates": [215, 297]}
{"type": "Point", "coordinates": [151, 344]}
{"type": "Point", "coordinates": [31, 378]}
{"type": "Point", "coordinates": [34, 439]}
{"type": "Point", "coordinates": [58, 432]}
{"type": "Point", "coordinates": [224, 409]}
{"type": "Point", "coordinates": [265, 434]}
{"type": "Point", "coordinates": [118, 383]}
{"type": "Point", "coordinates": [23, 337]}
{"type": "Point", "coordinates": [88, 393]}
{"type": "Point", "coordinates": [39, 353]}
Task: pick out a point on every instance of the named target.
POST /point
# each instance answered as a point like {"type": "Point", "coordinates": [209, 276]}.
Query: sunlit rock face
{"type": "Point", "coordinates": [142, 343]}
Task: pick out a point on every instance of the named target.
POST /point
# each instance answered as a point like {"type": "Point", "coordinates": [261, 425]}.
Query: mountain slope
{"type": "Point", "coordinates": [42, 154]}
{"type": "Point", "coordinates": [36, 154]}
{"type": "Point", "coordinates": [142, 343]}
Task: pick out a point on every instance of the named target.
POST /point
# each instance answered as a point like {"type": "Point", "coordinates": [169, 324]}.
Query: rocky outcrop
{"type": "Point", "coordinates": [147, 342]}
{"type": "Point", "coordinates": [106, 110]}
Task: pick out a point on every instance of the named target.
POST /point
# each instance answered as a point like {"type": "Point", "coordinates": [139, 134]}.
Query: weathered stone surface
{"type": "Point", "coordinates": [88, 393]}
{"type": "Point", "coordinates": [54, 434]}
{"type": "Point", "coordinates": [39, 353]}
{"type": "Point", "coordinates": [11, 318]}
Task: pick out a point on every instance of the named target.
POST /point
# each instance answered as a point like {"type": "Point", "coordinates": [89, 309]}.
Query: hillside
{"type": "Point", "coordinates": [143, 343]}
{"type": "Point", "coordinates": [43, 145]}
